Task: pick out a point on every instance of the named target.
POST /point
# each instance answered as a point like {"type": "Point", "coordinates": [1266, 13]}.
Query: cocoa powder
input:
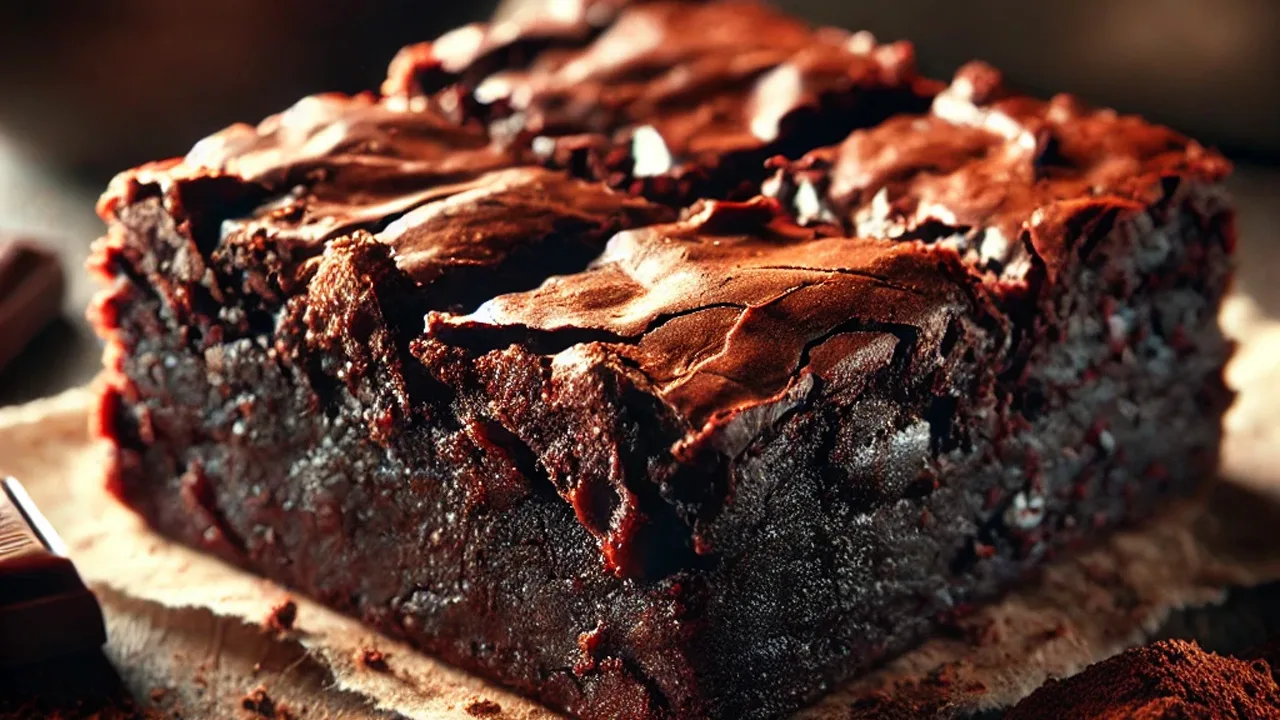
{"type": "Point", "coordinates": [1167, 680]}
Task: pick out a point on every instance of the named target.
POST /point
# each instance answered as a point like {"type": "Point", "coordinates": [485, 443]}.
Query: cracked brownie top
{"type": "Point", "coordinates": [1001, 178]}
{"type": "Point", "coordinates": [722, 311]}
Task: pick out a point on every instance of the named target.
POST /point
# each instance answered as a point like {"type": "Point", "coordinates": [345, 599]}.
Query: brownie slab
{"type": "Point", "coordinates": [643, 461]}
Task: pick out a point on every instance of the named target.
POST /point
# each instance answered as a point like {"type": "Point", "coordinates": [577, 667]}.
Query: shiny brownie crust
{"type": "Point", "coordinates": [637, 460]}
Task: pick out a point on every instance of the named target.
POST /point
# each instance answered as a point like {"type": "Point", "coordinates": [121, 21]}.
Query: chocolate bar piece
{"type": "Point", "coordinates": [45, 609]}
{"type": "Point", "coordinates": [31, 285]}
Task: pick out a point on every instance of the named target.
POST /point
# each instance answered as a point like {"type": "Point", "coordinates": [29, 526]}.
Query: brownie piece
{"type": "Point", "coordinates": [676, 100]}
{"type": "Point", "coordinates": [641, 463]}
{"type": "Point", "coordinates": [1167, 680]}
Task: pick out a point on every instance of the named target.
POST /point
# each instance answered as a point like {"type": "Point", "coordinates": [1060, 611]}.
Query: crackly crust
{"type": "Point", "coordinates": [1004, 178]}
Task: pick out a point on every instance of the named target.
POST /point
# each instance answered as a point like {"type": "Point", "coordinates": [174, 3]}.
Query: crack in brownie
{"type": "Point", "coordinates": [642, 460]}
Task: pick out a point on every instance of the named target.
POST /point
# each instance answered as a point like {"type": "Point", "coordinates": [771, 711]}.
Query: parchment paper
{"type": "Point", "coordinates": [1083, 609]}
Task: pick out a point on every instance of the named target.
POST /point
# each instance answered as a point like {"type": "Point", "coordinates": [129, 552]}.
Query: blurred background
{"type": "Point", "coordinates": [89, 88]}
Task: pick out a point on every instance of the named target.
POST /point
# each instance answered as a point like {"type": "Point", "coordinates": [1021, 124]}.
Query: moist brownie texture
{"type": "Point", "coordinates": [641, 460]}
{"type": "Point", "coordinates": [1168, 680]}
{"type": "Point", "coordinates": [673, 99]}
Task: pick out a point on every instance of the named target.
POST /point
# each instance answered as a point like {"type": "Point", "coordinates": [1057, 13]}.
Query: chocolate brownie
{"type": "Point", "coordinates": [641, 461]}
{"type": "Point", "coordinates": [673, 99]}
{"type": "Point", "coordinates": [1167, 680]}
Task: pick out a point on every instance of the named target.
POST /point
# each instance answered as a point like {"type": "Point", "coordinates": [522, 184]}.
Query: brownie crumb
{"type": "Point", "coordinates": [281, 617]}
{"type": "Point", "coordinates": [258, 702]}
{"type": "Point", "coordinates": [483, 708]}
{"type": "Point", "coordinates": [158, 694]}
{"type": "Point", "coordinates": [374, 659]}
{"type": "Point", "coordinates": [1164, 680]}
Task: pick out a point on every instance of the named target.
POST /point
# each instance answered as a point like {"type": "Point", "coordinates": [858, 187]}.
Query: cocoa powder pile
{"type": "Point", "coordinates": [1167, 680]}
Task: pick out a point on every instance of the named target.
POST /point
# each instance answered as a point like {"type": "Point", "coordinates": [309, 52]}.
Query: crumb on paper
{"type": "Point", "coordinates": [261, 704]}
{"type": "Point", "coordinates": [158, 693]}
{"type": "Point", "coordinates": [282, 616]}
{"type": "Point", "coordinates": [373, 659]}
{"type": "Point", "coordinates": [258, 701]}
{"type": "Point", "coordinates": [483, 708]}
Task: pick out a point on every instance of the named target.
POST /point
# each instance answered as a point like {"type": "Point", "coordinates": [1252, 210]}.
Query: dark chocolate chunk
{"type": "Point", "coordinates": [45, 609]}
{"type": "Point", "coordinates": [31, 285]}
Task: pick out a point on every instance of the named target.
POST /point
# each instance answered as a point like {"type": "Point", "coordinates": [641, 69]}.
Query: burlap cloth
{"type": "Point", "coordinates": [192, 625]}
